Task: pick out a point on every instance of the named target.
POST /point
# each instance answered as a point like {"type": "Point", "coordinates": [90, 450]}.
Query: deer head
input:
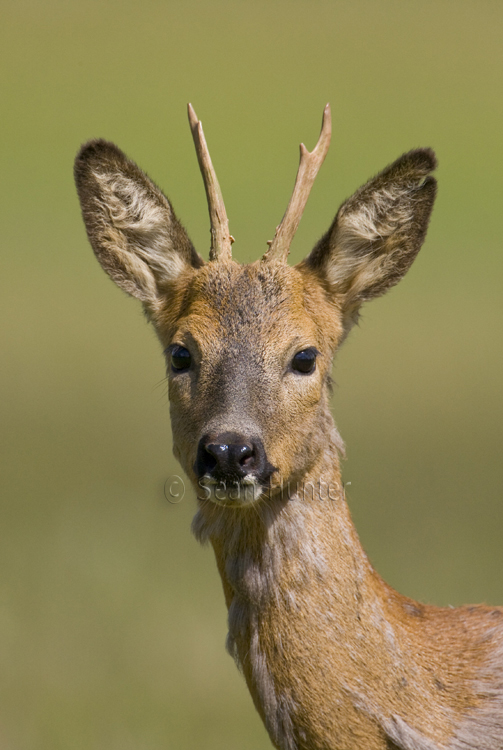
{"type": "Point", "coordinates": [249, 348]}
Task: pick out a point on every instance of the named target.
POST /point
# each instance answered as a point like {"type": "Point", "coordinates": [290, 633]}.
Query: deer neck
{"type": "Point", "coordinates": [294, 573]}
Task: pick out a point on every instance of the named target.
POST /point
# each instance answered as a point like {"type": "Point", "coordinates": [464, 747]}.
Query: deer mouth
{"type": "Point", "coordinates": [230, 492]}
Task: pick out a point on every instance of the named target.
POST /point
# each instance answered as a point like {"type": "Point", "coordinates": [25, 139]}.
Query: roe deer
{"type": "Point", "coordinates": [333, 657]}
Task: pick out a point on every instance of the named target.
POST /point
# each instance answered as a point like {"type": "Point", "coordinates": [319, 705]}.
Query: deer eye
{"type": "Point", "coordinates": [180, 358]}
{"type": "Point", "coordinates": [305, 361]}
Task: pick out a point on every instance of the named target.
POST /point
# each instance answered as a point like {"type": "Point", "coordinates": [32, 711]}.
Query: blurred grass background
{"type": "Point", "coordinates": [112, 621]}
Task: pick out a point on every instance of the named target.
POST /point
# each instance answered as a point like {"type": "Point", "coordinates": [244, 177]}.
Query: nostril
{"type": "Point", "coordinates": [245, 456]}
{"type": "Point", "coordinates": [215, 454]}
{"type": "Point", "coordinates": [216, 450]}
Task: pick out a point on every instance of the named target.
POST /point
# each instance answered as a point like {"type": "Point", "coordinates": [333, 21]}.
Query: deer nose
{"type": "Point", "coordinates": [232, 456]}
{"type": "Point", "coordinates": [229, 456]}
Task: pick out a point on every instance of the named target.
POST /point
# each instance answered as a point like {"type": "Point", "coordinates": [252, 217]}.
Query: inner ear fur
{"type": "Point", "coordinates": [130, 223]}
{"type": "Point", "coordinates": [378, 232]}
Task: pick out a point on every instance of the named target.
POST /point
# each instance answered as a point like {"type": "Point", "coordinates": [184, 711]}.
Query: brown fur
{"type": "Point", "coordinates": [333, 657]}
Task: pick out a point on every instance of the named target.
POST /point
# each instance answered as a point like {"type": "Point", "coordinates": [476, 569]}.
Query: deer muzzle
{"type": "Point", "coordinates": [232, 462]}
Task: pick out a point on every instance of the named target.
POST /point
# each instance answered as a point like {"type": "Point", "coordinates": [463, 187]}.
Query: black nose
{"type": "Point", "coordinates": [230, 457]}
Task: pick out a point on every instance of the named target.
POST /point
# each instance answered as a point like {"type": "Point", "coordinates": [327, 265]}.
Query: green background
{"type": "Point", "coordinates": [112, 621]}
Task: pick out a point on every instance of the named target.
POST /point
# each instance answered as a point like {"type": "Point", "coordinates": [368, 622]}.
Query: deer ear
{"type": "Point", "coordinates": [131, 225]}
{"type": "Point", "coordinates": [377, 232]}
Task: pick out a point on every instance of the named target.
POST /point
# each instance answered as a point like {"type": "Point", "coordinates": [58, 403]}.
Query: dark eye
{"type": "Point", "coordinates": [305, 361]}
{"type": "Point", "coordinates": [180, 358]}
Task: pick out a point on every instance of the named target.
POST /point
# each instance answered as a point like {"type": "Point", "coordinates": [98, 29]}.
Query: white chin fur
{"type": "Point", "coordinates": [245, 492]}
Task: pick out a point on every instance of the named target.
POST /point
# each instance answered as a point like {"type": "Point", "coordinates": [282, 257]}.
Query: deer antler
{"type": "Point", "coordinates": [310, 163]}
{"type": "Point", "coordinates": [221, 240]}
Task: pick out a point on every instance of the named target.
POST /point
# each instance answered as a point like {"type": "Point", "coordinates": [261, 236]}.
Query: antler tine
{"type": "Point", "coordinates": [310, 163]}
{"type": "Point", "coordinates": [221, 240]}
